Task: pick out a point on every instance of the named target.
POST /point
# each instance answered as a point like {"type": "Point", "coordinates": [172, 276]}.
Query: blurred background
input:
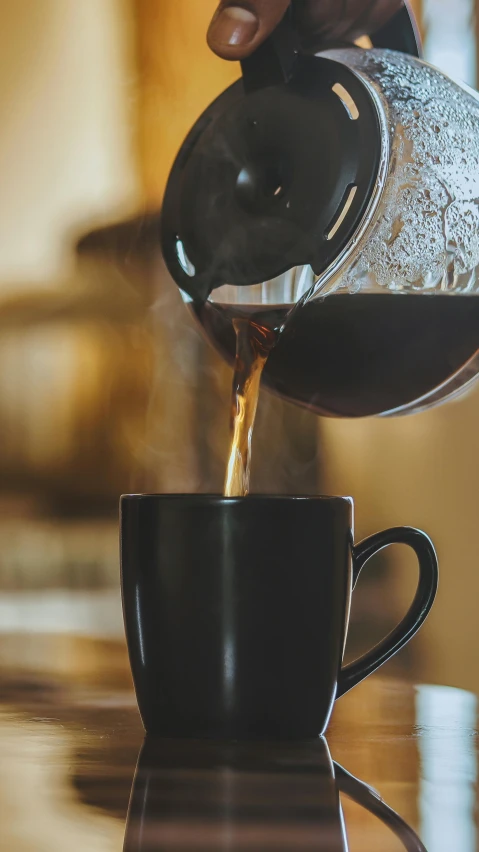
{"type": "Point", "coordinates": [106, 384]}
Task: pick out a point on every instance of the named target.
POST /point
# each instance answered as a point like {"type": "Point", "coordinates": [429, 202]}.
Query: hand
{"type": "Point", "coordinates": [238, 28]}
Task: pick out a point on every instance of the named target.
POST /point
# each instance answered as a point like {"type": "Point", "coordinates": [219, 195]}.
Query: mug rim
{"type": "Point", "coordinates": [220, 499]}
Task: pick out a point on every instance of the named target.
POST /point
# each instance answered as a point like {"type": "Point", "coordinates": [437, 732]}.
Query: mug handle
{"type": "Point", "coordinates": [423, 547]}
{"type": "Point", "coordinates": [370, 799]}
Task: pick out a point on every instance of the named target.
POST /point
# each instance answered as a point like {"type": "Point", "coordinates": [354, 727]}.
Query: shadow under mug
{"type": "Point", "coordinates": [236, 610]}
{"type": "Point", "coordinates": [200, 794]}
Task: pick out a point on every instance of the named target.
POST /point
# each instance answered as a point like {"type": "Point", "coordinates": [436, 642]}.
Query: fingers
{"type": "Point", "coordinates": [238, 27]}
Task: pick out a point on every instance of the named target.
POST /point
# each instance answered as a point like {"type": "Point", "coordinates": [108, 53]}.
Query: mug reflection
{"type": "Point", "coordinates": [203, 795]}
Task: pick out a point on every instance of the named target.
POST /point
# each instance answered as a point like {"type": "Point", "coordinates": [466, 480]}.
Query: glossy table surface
{"type": "Point", "coordinates": [71, 737]}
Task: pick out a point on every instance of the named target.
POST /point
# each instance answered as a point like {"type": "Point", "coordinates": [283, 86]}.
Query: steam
{"type": "Point", "coordinates": [169, 452]}
{"type": "Point", "coordinates": [187, 423]}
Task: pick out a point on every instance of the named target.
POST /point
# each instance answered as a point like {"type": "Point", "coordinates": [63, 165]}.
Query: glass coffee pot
{"type": "Point", "coordinates": [334, 198]}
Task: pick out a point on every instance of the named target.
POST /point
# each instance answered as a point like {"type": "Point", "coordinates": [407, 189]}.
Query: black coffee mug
{"type": "Point", "coordinates": [236, 610]}
{"type": "Point", "coordinates": [199, 794]}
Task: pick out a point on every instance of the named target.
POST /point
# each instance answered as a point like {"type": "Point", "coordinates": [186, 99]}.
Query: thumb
{"type": "Point", "coordinates": [237, 29]}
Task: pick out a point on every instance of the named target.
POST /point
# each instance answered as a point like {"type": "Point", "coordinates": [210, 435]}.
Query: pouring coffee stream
{"type": "Point", "coordinates": [257, 333]}
{"type": "Point", "coordinates": [253, 345]}
{"type": "Point", "coordinates": [347, 184]}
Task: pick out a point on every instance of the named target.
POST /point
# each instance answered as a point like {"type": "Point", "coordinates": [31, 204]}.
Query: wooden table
{"type": "Point", "coordinates": [70, 737]}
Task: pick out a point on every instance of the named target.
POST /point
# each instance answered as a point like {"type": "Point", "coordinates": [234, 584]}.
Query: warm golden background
{"type": "Point", "coordinates": [106, 385]}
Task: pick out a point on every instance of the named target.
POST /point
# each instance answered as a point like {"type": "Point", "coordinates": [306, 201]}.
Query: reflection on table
{"type": "Point", "coordinates": [70, 737]}
{"type": "Point", "coordinates": [231, 795]}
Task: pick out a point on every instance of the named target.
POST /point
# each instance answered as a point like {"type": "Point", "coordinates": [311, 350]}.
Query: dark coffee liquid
{"type": "Point", "coordinates": [253, 345]}
{"type": "Point", "coordinates": [357, 355]}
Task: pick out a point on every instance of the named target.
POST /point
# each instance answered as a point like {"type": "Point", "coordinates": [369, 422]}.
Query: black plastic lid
{"type": "Point", "coordinates": [277, 172]}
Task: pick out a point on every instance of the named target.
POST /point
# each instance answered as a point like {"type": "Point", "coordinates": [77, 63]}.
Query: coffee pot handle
{"type": "Point", "coordinates": [272, 62]}
{"type": "Point", "coordinates": [400, 33]}
{"type": "Point", "coordinates": [370, 799]}
{"type": "Point", "coordinates": [423, 547]}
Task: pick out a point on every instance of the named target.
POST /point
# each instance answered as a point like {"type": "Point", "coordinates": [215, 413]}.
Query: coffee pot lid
{"type": "Point", "coordinates": [277, 172]}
